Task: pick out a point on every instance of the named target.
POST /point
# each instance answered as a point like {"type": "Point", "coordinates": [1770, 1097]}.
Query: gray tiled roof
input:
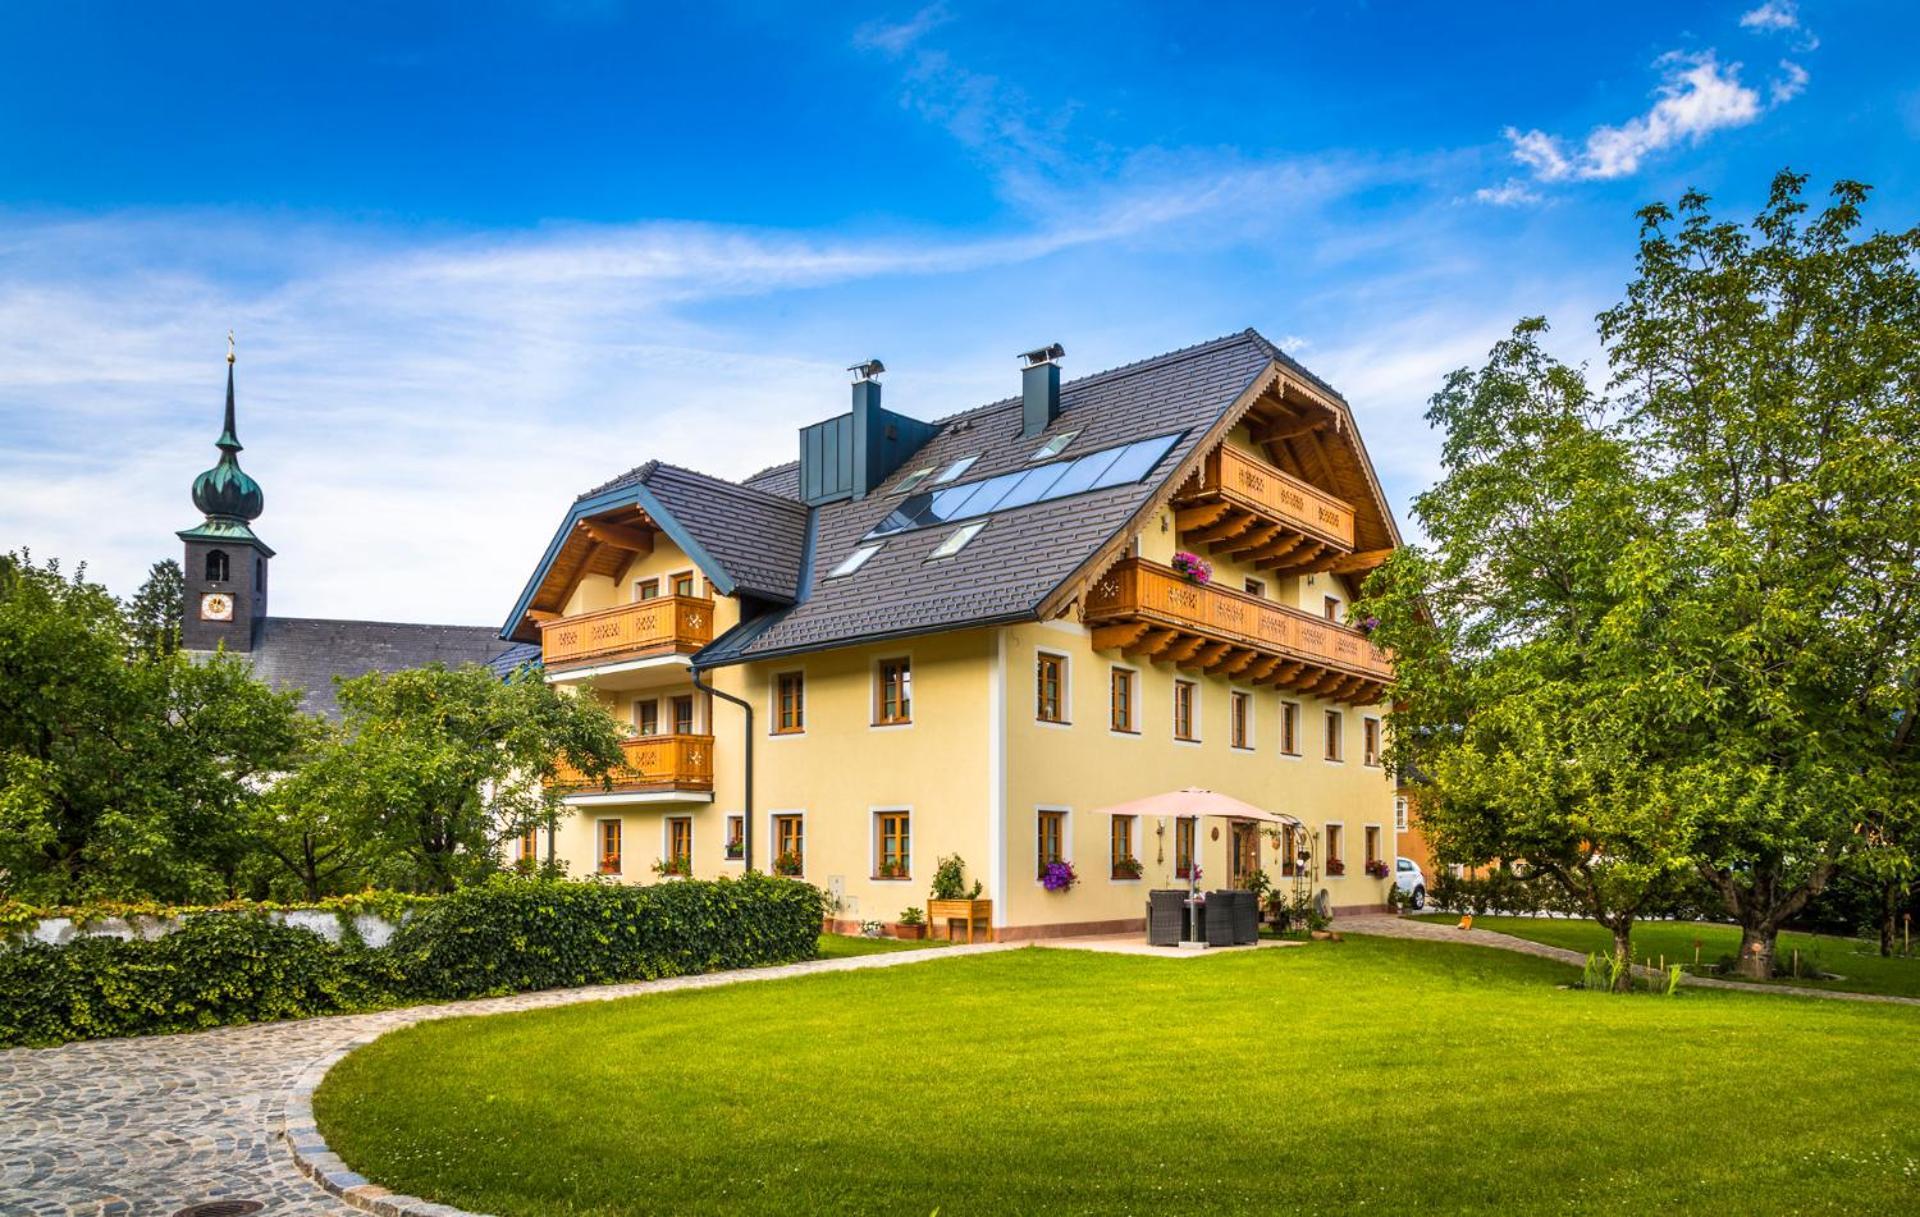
{"type": "Point", "coordinates": [783, 480]}
{"type": "Point", "coordinates": [1023, 554]}
{"type": "Point", "coordinates": [757, 537]}
{"type": "Point", "coordinates": [308, 653]}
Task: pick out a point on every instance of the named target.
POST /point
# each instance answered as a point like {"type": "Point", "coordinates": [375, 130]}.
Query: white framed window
{"type": "Point", "coordinates": [1240, 720]}
{"type": "Point", "coordinates": [1400, 813]}
{"type": "Point", "coordinates": [893, 844]}
{"type": "Point", "coordinates": [1290, 729]}
{"type": "Point", "coordinates": [736, 850]}
{"type": "Point", "coordinates": [853, 561]}
{"type": "Point", "coordinates": [1052, 838]}
{"type": "Point", "coordinates": [1054, 446]}
{"type": "Point", "coordinates": [957, 540]}
{"type": "Point", "coordinates": [956, 469]}
{"type": "Point", "coordinates": [1336, 728]}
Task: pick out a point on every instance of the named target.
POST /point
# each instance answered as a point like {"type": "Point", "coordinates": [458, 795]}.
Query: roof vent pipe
{"type": "Point", "coordinates": [1040, 388]}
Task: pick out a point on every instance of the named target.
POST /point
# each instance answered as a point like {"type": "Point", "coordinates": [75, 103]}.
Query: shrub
{"type": "Point", "coordinates": [216, 969]}
{"type": "Point", "coordinates": [506, 936]}
{"type": "Point", "coordinates": [513, 935]}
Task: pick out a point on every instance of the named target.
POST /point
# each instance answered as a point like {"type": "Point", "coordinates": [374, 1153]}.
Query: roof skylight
{"type": "Point", "coordinates": [913, 479]}
{"type": "Point", "coordinates": [957, 540]}
{"type": "Point", "coordinates": [853, 561]}
{"type": "Point", "coordinates": [1116, 466]}
{"type": "Point", "coordinates": [956, 469]}
{"type": "Point", "coordinates": [1054, 447]}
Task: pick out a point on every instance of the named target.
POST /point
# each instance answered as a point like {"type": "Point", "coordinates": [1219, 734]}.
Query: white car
{"type": "Point", "coordinates": [1409, 879]}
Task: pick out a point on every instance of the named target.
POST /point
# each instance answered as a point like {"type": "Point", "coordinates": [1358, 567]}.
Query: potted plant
{"type": "Point", "coordinates": [1058, 876]}
{"type": "Point", "coordinates": [893, 870]}
{"type": "Point", "coordinates": [1335, 868]}
{"type": "Point", "coordinates": [952, 900]}
{"type": "Point", "coordinates": [673, 868]}
{"type": "Point", "coordinates": [1195, 568]}
{"type": "Point", "coordinates": [736, 850]}
{"type": "Point", "coordinates": [1377, 868]}
{"type": "Point", "coordinates": [788, 863]}
{"type": "Point", "coordinates": [912, 924]}
{"type": "Point", "coordinates": [1127, 868]}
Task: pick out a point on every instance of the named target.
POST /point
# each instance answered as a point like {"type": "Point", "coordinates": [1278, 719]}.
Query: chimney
{"type": "Point", "coordinates": [850, 455]}
{"type": "Point", "coordinates": [1040, 388]}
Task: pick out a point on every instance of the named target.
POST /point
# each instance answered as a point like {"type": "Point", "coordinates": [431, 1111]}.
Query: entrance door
{"type": "Point", "coordinates": [1245, 853]}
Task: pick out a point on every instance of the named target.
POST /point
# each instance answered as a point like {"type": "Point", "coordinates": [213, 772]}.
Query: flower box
{"type": "Point", "coordinates": [911, 931]}
{"type": "Point", "coordinates": [1377, 869]}
{"type": "Point", "coordinates": [1195, 568]}
{"type": "Point", "coordinates": [972, 914]}
{"type": "Point", "coordinates": [1335, 867]}
{"type": "Point", "coordinates": [1128, 868]}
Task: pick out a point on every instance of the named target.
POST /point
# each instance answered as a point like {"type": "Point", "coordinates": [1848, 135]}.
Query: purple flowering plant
{"type": "Point", "coordinates": [1196, 568]}
{"type": "Point", "coordinates": [1058, 876]}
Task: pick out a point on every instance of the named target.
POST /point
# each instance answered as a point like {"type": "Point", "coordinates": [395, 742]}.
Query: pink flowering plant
{"type": "Point", "coordinates": [1058, 876]}
{"type": "Point", "coordinates": [1196, 568]}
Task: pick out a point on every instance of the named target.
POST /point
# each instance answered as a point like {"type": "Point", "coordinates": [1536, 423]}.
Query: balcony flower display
{"type": "Point", "coordinates": [1367, 625]}
{"type": "Point", "coordinates": [1196, 568]}
{"type": "Point", "coordinates": [1058, 876]}
{"type": "Point", "coordinates": [1377, 868]}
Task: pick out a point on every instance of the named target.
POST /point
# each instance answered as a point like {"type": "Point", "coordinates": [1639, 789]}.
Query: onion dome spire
{"type": "Point", "coordinates": [225, 492]}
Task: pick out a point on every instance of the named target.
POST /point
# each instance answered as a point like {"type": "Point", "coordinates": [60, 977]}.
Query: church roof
{"type": "Point", "coordinates": [312, 654]}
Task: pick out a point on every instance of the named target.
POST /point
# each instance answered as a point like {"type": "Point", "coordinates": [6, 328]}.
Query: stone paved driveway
{"type": "Point", "coordinates": [143, 1127]}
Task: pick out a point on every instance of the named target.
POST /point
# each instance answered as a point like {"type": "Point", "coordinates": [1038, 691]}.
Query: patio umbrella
{"type": "Point", "coordinates": [1193, 803]}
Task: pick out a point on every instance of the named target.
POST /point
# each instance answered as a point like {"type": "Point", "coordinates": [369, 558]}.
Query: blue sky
{"type": "Point", "coordinates": [482, 256]}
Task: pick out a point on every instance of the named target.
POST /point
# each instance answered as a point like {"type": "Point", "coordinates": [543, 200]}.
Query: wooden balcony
{"type": "Point", "coordinates": [653, 763]}
{"type": "Point", "coordinates": [664, 625]}
{"type": "Point", "coordinates": [1260, 514]}
{"type": "Point", "coordinates": [1149, 612]}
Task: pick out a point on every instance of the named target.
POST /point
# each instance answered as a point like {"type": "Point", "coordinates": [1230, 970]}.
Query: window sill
{"type": "Point", "coordinates": [785, 734]}
{"type": "Point", "coordinates": [1051, 722]}
{"type": "Point", "coordinates": [1241, 748]}
{"type": "Point", "coordinates": [891, 724]}
{"type": "Point", "coordinates": [1130, 732]}
{"type": "Point", "coordinates": [893, 878]}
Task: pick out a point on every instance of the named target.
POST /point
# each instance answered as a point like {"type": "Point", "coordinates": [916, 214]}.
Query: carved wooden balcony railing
{"type": "Point", "coordinates": [1241, 505]}
{"type": "Point", "coordinates": [664, 625]}
{"type": "Point", "coordinates": [652, 762]}
{"type": "Point", "coordinates": [1151, 612]}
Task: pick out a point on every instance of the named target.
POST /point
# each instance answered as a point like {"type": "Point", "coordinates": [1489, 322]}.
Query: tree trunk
{"type": "Point", "coordinates": [1623, 959]}
{"type": "Point", "coordinates": [1756, 952]}
{"type": "Point", "coordinates": [1889, 909]}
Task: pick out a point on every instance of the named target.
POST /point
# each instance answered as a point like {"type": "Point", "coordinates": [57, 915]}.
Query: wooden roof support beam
{"type": "Point", "coordinates": [1279, 548]}
{"type": "Point", "coordinates": [1235, 662]}
{"type": "Point", "coordinates": [1187, 519]}
{"type": "Point", "coordinates": [1260, 536]}
{"type": "Point", "coordinates": [1207, 656]}
{"type": "Point", "coordinates": [1337, 563]}
{"type": "Point", "coordinates": [1182, 650]}
{"type": "Point", "coordinates": [1119, 636]}
{"type": "Point", "coordinates": [620, 536]}
{"type": "Point", "coordinates": [1262, 668]}
{"type": "Point", "coordinates": [1150, 644]}
{"type": "Point", "coordinates": [541, 616]}
{"type": "Point", "coordinates": [1233, 524]}
{"type": "Point", "coordinates": [1289, 428]}
{"type": "Point", "coordinates": [1286, 675]}
{"type": "Point", "coordinates": [1290, 563]}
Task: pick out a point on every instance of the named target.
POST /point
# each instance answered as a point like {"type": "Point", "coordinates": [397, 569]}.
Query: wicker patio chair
{"type": "Point", "coordinates": [1246, 918]}
{"type": "Point", "coordinates": [1220, 917]}
{"type": "Point", "coordinates": [1166, 917]}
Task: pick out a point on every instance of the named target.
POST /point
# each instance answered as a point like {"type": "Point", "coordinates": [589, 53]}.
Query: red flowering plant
{"type": "Point", "coordinates": [1335, 866]}
{"type": "Point", "coordinates": [1196, 568]}
{"type": "Point", "coordinates": [1377, 868]}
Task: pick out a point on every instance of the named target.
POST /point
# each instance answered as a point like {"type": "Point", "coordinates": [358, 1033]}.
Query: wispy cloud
{"type": "Point", "coordinates": [896, 37]}
{"type": "Point", "coordinates": [1791, 83]}
{"type": "Point", "coordinates": [1511, 193]}
{"type": "Point", "coordinates": [1696, 97]}
{"type": "Point", "coordinates": [1780, 17]}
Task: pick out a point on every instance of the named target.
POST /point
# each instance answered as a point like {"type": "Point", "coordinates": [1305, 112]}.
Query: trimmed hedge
{"type": "Point", "coordinates": [508, 936]}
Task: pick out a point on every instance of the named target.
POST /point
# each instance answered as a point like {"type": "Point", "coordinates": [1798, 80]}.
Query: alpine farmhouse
{"type": "Point", "coordinates": [970, 636]}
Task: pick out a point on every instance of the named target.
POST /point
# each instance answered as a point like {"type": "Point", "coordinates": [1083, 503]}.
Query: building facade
{"type": "Point", "coordinates": [971, 637]}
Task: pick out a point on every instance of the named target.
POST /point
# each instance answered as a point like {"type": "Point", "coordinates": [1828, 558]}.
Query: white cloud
{"type": "Point", "coordinates": [1773, 15]}
{"type": "Point", "coordinates": [1510, 193]}
{"type": "Point", "coordinates": [896, 38]}
{"type": "Point", "coordinates": [1697, 97]}
{"type": "Point", "coordinates": [1789, 86]}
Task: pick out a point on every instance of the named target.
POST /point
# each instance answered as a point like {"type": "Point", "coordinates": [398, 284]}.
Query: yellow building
{"type": "Point", "coordinates": [969, 637]}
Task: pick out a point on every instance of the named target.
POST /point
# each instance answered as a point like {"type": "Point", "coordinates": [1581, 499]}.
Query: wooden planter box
{"type": "Point", "coordinates": [974, 914]}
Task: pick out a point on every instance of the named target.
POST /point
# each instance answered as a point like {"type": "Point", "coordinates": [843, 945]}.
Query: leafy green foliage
{"type": "Point", "coordinates": [437, 768]}
{"type": "Point", "coordinates": [502, 937]}
{"type": "Point", "coordinates": [153, 615]}
{"type": "Point", "coordinates": [512, 934]}
{"type": "Point", "coordinates": [124, 770]}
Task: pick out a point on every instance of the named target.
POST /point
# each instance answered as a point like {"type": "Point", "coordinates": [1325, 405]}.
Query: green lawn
{"type": "Point", "coordinates": [1856, 962]}
{"type": "Point", "coordinates": [839, 946]}
{"type": "Point", "coordinates": [1369, 1075]}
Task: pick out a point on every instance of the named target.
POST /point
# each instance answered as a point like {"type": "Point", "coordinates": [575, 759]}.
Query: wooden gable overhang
{"type": "Point", "coordinates": [602, 535]}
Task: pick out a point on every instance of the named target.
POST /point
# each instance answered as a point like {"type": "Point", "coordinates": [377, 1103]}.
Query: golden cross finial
{"type": "Point", "coordinates": [229, 346]}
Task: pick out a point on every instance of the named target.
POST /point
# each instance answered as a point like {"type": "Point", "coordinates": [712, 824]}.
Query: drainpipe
{"type": "Point", "coordinates": [746, 827]}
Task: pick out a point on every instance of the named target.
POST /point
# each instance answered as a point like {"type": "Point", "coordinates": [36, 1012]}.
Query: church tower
{"type": "Point", "coordinates": [225, 564]}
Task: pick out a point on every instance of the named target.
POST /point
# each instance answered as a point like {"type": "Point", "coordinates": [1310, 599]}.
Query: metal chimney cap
{"type": "Point", "coordinates": [867, 371]}
{"type": "Point", "coordinates": [1051, 353]}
